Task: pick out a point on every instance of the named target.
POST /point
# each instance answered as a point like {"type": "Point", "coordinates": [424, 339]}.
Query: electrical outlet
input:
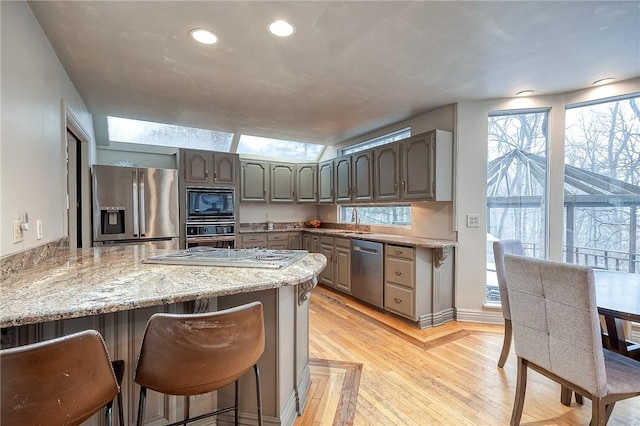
{"type": "Point", "coordinates": [39, 229]}
{"type": "Point", "coordinates": [473, 221]}
{"type": "Point", "coordinates": [18, 237]}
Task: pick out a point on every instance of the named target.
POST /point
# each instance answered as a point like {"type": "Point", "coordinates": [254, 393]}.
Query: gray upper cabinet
{"type": "Point", "coordinates": [362, 176]}
{"type": "Point", "coordinates": [209, 168]}
{"type": "Point", "coordinates": [306, 183]}
{"type": "Point", "coordinates": [325, 182]}
{"type": "Point", "coordinates": [282, 178]}
{"type": "Point", "coordinates": [387, 173]}
{"type": "Point", "coordinates": [342, 167]}
{"type": "Point", "coordinates": [254, 181]}
{"type": "Point", "coordinates": [427, 167]}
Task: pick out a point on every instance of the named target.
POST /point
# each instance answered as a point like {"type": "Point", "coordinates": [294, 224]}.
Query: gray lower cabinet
{"type": "Point", "coordinates": [271, 240]}
{"type": "Point", "coordinates": [342, 272]}
{"type": "Point", "coordinates": [326, 248]}
{"type": "Point", "coordinates": [418, 284]}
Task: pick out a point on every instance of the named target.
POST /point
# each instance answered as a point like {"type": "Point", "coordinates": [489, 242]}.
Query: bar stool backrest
{"type": "Point", "coordinates": [192, 354]}
{"type": "Point", "coordinates": [62, 381]}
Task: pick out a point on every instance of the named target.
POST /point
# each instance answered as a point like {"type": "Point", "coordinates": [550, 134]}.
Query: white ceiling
{"type": "Point", "coordinates": [350, 68]}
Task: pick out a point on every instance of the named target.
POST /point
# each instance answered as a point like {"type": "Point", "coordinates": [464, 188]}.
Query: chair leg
{"type": "Point", "coordinates": [565, 396]}
{"type": "Point", "coordinates": [108, 414]}
{"type": "Point", "coordinates": [521, 387]}
{"type": "Point", "coordinates": [118, 371]}
{"type": "Point", "coordinates": [258, 394]}
{"type": "Point", "coordinates": [235, 406]}
{"type": "Point", "coordinates": [598, 412]}
{"type": "Point", "coordinates": [506, 344]}
{"type": "Point", "coordinates": [141, 403]}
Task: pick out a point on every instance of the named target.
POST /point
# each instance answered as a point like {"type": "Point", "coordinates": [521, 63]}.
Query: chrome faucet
{"type": "Point", "coordinates": [354, 218]}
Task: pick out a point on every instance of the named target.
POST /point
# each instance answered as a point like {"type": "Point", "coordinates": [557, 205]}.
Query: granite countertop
{"type": "Point", "coordinates": [110, 279]}
{"type": "Point", "coordinates": [366, 235]}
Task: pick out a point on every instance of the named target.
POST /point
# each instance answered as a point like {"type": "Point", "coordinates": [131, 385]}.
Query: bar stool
{"type": "Point", "coordinates": [60, 381]}
{"type": "Point", "coordinates": [194, 354]}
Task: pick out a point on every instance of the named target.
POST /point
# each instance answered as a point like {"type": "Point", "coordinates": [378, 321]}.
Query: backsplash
{"type": "Point", "coordinates": [20, 261]}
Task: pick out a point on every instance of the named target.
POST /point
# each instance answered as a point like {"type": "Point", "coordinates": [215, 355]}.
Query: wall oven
{"type": "Point", "coordinates": [210, 205]}
{"type": "Point", "coordinates": [219, 235]}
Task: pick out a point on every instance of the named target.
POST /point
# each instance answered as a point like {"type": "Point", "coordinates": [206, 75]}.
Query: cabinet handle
{"type": "Point", "coordinates": [398, 252]}
{"type": "Point", "coordinates": [398, 273]}
{"type": "Point", "coordinates": [404, 184]}
{"type": "Point", "coordinates": [395, 299]}
{"type": "Point", "coordinates": [395, 185]}
{"type": "Point", "coordinates": [264, 192]}
{"type": "Point", "coordinates": [215, 176]}
{"type": "Point", "coordinates": [206, 174]}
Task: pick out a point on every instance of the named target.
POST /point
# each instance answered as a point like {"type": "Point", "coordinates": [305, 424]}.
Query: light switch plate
{"type": "Point", "coordinates": [18, 236]}
{"type": "Point", "coordinates": [39, 229]}
{"type": "Point", "coordinates": [473, 221]}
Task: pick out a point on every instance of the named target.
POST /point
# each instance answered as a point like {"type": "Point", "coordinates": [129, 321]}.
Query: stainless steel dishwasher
{"type": "Point", "coordinates": [366, 272]}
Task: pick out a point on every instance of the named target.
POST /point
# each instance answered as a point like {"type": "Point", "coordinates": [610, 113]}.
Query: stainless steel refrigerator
{"type": "Point", "coordinates": [135, 206]}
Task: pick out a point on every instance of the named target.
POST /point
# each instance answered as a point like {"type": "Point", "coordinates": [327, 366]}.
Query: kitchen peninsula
{"type": "Point", "coordinates": [111, 290]}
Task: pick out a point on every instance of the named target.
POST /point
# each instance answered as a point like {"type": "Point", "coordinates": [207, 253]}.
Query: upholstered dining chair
{"type": "Point", "coordinates": [62, 381]}
{"type": "Point", "coordinates": [500, 248]}
{"type": "Point", "coordinates": [193, 354]}
{"type": "Point", "coordinates": [557, 333]}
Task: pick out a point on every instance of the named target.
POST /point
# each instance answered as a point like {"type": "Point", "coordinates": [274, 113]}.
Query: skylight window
{"type": "Point", "coordinates": [149, 133]}
{"type": "Point", "coordinates": [381, 140]}
{"type": "Point", "coordinates": [255, 145]}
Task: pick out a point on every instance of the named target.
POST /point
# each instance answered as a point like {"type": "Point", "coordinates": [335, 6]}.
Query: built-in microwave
{"type": "Point", "coordinates": [210, 204]}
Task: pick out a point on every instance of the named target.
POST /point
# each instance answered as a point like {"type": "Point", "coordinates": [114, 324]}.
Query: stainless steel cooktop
{"type": "Point", "coordinates": [242, 258]}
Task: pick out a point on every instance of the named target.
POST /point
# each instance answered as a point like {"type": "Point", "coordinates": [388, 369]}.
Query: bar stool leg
{"type": "Point", "coordinates": [235, 407]}
{"type": "Point", "coordinates": [258, 394]}
{"type": "Point", "coordinates": [141, 403]}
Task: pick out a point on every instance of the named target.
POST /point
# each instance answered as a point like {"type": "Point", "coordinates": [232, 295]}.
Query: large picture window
{"type": "Point", "coordinates": [602, 185]}
{"type": "Point", "coordinates": [516, 185]}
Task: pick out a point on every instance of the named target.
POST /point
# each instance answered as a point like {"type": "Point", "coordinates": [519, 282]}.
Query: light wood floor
{"type": "Point", "coordinates": [446, 375]}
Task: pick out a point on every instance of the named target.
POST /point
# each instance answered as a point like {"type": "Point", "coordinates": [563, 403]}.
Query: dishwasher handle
{"type": "Point", "coordinates": [365, 250]}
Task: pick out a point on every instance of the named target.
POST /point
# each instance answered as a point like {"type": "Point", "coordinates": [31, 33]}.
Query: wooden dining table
{"type": "Point", "coordinates": [618, 299]}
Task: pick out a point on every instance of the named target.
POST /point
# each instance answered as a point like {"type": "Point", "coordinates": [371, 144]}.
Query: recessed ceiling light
{"type": "Point", "coordinates": [603, 81]}
{"type": "Point", "coordinates": [525, 93]}
{"type": "Point", "coordinates": [281, 28]}
{"type": "Point", "coordinates": [203, 36]}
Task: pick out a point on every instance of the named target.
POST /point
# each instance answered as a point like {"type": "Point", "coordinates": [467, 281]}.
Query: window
{"type": "Point", "coordinates": [399, 215]}
{"type": "Point", "coordinates": [279, 148]}
{"type": "Point", "coordinates": [602, 185]}
{"type": "Point", "coordinates": [516, 185]}
{"type": "Point", "coordinates": [149, 133]}
{"type": "Point", "coordinates": [381, 140]}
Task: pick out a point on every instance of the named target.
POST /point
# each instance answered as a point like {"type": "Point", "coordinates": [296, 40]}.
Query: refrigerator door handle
{"type": "Point", "coordinates": [143, 212]}
{"type": "Point", "coordinates": [134, 182]}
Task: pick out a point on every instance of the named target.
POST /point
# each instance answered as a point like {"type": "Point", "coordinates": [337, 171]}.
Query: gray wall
{"type": "Point", "coordinates": [35, 89]}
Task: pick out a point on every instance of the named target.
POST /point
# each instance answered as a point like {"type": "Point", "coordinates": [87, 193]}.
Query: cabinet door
{"type": "Point", "coordinates": [282, 182]}
{"type": "Point", "coordinates": [343, 268]}
{"type": "Point", "coordinates": [325, 182]}
{"type": "Point", "coordinates": [254, 181]}
{"type": "Point", "coordinates": [362, 176]}
{"type": "Point", "coordinates": [326, 277]}
{"type": "Point", "coordinates": [306, 183]}
{"type": "Point", "coordinates": [295, 241]}
{"type": "Point", "coordinates": [315, 244]}
{"type": "Point", "coordinates": [387, 173]}
{"type": "Point", "coordinates": [224, 168]}
{"type": "Point", "coordinates": [197, 167]}
{"type": "Point", "coordinates": [418, 167]}
{"type": "Point", "coordinates": [343, 179]}
{"type": "Point", "coordinates": [306, 242]}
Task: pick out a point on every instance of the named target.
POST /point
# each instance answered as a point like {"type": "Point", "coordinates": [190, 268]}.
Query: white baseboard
{"type": "Point", "coordinates": [489, 316]}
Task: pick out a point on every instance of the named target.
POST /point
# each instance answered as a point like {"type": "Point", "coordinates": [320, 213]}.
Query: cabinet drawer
{"type": "Point", "coordinates": [399, 300]}
{"type": "Point", "coordinates": [253, 239]}
{"type": "Point", "coordinates": [399, 251]}
{"type": "Point", "coordinates": [326, 240]}
{"type": "Point", "coordinates": [342, 242]}
{"type": "Point", "coordinates": [399, 271]}
{"type": "Point", "coordinates": [278, 236]}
